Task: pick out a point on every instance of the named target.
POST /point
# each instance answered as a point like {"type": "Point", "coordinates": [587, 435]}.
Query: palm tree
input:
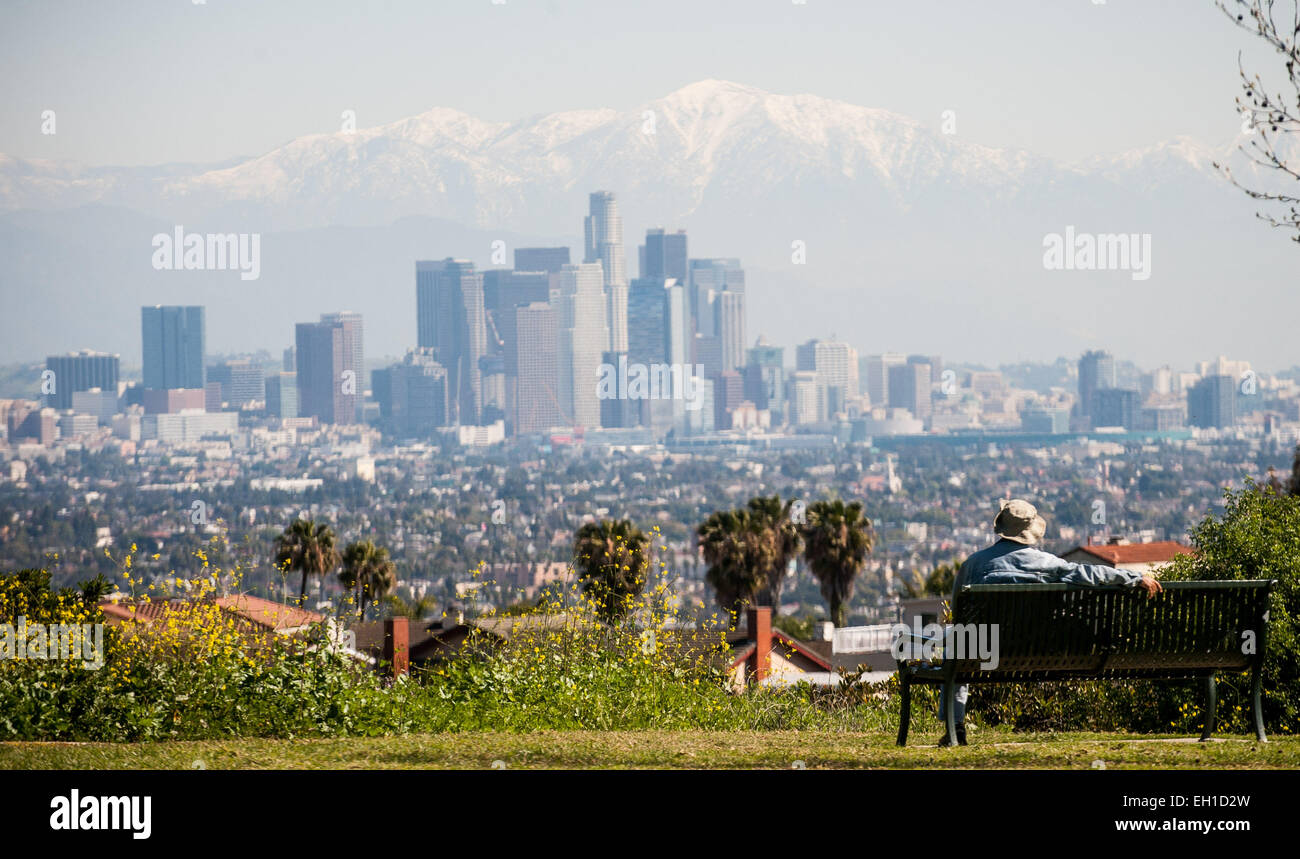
{"type": "Point", "coordinates": [308, 547]}
{"type": "Point", "coordinates": [728, 540]}
{"type": "Point", "coordinates": [837, 538]}
{"type": "Point", "coordinates": [368, 571]}
{"type": "Point", "coordinates": [781, 541]}
{"type": "Point", "coordinates": [937, 584]}
{"type": "Point", "coordinates": [612, 557]}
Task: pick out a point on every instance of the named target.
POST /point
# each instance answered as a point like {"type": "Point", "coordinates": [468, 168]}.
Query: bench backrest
{"type": "Point", "coordinates": [1189, 627]}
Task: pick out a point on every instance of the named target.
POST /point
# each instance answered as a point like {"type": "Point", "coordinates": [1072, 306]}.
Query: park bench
{"type": "Point", "coordinates": [1190, 630]}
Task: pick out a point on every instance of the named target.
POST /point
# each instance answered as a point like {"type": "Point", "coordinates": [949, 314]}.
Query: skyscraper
{"type": "Point", "coordinates": [1212, 402]}
{"type": "Point", "coordinates": [358, 364]}
{"type": "Point", "coordinates": [604, 237]}
{"type": "Point", "coordinates": [282, 394]}
{"type": "Point", "coordinates": [1096, 371]}
{"type": "Point", "coordinates": [173, 345]}
{"type": "Point", "coordinates": [583, 335]}
{"type": "Point", "coordinates": [909, 388]}
{"type": "Point", "coordinates": [537, 400]}
{"type": "Point", "coordinates": [877, 373]}
{"type": "Point", "coordinates": [716, 297]}
{"type": "Point", "coordinates": [241, 382]}
{"type": "Point", "coordinates": [1115, 407]}
{"type": "Point", "coordinates": [836, 366]}
{"type": "Point", "coordinates": [451, 319]}
{"type": "Point", "coordinates": [328, 383]}
{"type": "Point", "coordinates": [665, 255]}
{"type": "Point", "coordinates": [80, 371]}
{"type": "Point", "coordinates": [765, 378]}
{"type": "Point", "coordinates": [412, 395]}
{"type": "Point", "coordinates": [604, 244]}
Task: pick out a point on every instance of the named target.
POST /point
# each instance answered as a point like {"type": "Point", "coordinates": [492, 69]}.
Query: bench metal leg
{"type": "Point", "coordinates": [950, 710]}
{"type": "Point", "coordinates": [905, 710]}
{"type": "Point", "coordinates": [1211, 704]}
{"type": "Point", "coordinates": [1256, 700]}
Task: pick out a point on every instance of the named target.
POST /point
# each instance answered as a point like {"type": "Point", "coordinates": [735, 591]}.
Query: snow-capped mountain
{"type": "Point", "coordinates": [911, 238]}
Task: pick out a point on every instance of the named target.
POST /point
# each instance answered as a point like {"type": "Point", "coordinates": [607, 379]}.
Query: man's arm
{"type": "Point", "coordinates": [1060, 570]}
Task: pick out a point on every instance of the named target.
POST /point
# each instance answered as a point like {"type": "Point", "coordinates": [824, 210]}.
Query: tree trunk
{"type": "Point", "coordinates": [302, 592]}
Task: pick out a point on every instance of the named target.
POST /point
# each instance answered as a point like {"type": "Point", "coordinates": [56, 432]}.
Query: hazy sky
{"type": "Point", "coordinates": [152, 81]}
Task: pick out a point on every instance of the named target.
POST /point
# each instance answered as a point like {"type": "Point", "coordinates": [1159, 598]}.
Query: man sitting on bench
{"type": "Point", "coordinates": [1014, 560]}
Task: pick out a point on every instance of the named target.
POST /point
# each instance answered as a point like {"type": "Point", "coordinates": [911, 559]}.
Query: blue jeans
{"type": "Point", "coordinates": [960, 710]}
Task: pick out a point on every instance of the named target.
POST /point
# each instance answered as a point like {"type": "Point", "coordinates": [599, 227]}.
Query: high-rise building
{"type": "Point", "coordinates": [836, 366]}
{"type": "Point", "coordinates": [728, 393]}
{"type": "Point", "coordinates": [716, 297]}
{"type": "Point", "coordinates": [1115, 407]}
{"type": "Point", "coordinates": [665, 255]}
{"type": "Point", "coordinates": [173, 345]}
{"type": "Point", "coordinates": [1096, 372]}
{"type": "Point", "coordinates": [583, 336]}
{"type": "Point", "coordinates": [241, 382]}
{"type": "Point", "coordinates": [658, 321]}
{"type": "Point", "coordinates": [909, 388]}
{"type": "Point", "coordinates": [1212, 402]}
{"type": "Point", "coordinates": [616, 313]}
{"type": "Point", "coordinates": [358, 364]}
{"type": "Point", "coordinates": [877, 375]}
{"type": "Point", "coordinates": [412, 395]}
{"type": "Point", "coordinates": [328, 383]}
{"type": "Point", "coordinates": [549, 260]}
{"type": "Point", "coordinates": [804, 399]}
{"type": "Point", "coordinates": [282, 395]}
{"type": "Point", "coordinates": [451, 319]}
{"type": "Point", "coordinates": [537, 406]}
{"type": "Point", "coordinates": [765, 378]}
{"type": "Point", "coordinates": [604, 237]}
{"type": "Point", "coordinates": [80, 371]}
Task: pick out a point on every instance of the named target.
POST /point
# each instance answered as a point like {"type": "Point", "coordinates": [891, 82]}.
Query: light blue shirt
{"type": "Point", "coordinates": [1007, 562]}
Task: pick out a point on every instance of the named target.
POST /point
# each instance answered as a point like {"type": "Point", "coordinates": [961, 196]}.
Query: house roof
{"type": "Point", "coordinates": [253, 613]}
{"type": "Point", "coordinates": [1136, 553]}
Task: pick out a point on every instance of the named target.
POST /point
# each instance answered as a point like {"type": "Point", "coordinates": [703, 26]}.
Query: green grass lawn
{"type": "Point", "coordinates": [665, 750]}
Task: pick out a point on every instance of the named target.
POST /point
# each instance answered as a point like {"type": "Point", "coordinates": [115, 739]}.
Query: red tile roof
{"type": "Point", "coordinates": [1137, 553]}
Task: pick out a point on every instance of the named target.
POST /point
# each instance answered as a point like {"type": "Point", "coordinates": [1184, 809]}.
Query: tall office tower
{"type": "Point", "coordinates": [731, 327]}
{"type": "Point", "coordinates": [537, 407]}
{"type": "Point", "coordinates": [877, 373]}
{"type": "Point", "coordinates": [287, 362]}
{"type": "Point", "coordinates": [282, 395]}
{"type": "Point", "coordinates": [1212, 402]}
{"type": "Point", "coordinates": [728, 392]}
{"type": "Point", "coordinates": [658, 321]}
{"type": "Point", "coordinates": [909, 388]}
{"type": "Point", "coordinates": [708, 354]}
{"type": "Point", "coordinates": [358, 364]}
{"type": "Point", "coordinates": [451, 318]}
{"type": "Point", "coordinates": [503, 292]}
{"type": "Point", "coordinates": [173, 345]}
{"type": "Point", "coordinates": [325, 352]}
{"type": "Point", "coordinates": [241, 382]}
{"type": "Point", "coordinates": [412, 394]}
{"type": "Point", "coordinates": [836, 366]}
{"type": "Point", "coordinates": [616, 312]}
{"type": "Point", "coordinates": [80, 371]}
{"type": "Point", "coordinates": [805, 398]}
{"type": "Point", "coordinates": [604, 237]}
{"type": "Point", "coordinates": [665, 255]}
{"type": "Point", "coordinates": [618, 411]}
{"type": "Point", "coordinates": [765, 379]}
{"type": "Point", "coordinates": [1115, 407]}
{"type": "Point", "coordinates": [713, 315]}
{"type": "Point", "coordinates": [1096, 372]}
{"type": "Point", "coordinates": [583, 335]}
{"type": "Point", "coordinates": [549, 260]}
